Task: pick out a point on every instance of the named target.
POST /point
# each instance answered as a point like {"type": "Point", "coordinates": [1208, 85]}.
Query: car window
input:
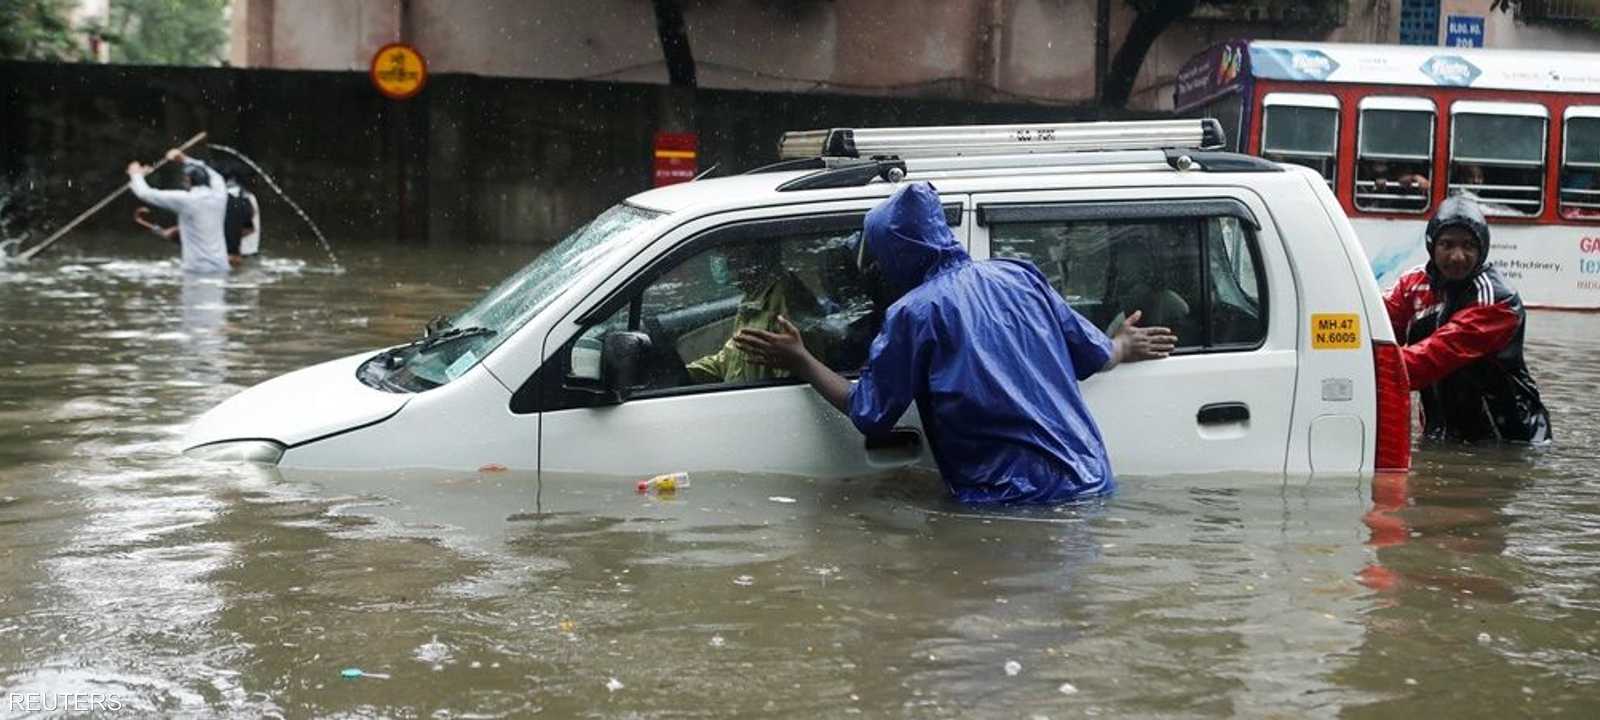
{"type": "Point", "coordinates": [691, 310]}
{"type": "Point", "coordinates": [1198, 276]}
{"type": "Point", "coordinates": [1235, 313]}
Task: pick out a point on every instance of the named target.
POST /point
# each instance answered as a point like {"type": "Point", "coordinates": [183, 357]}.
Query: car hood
{"type": "Point", "coordinates": [298, 407]}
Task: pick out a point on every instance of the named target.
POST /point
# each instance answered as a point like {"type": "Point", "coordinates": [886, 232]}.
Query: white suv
{"type": "Point", "coordinates": [580, 362]}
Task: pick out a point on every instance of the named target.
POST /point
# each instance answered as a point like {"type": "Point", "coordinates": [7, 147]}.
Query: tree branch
{"type": "Point", "coordinates": [675, 43]}
{"type": "Point", "coordinates": [1152, 20]}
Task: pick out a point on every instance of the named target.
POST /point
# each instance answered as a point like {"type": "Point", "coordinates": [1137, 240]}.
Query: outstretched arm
{"type": "Point", "coordinates": [173, 200]}
{"type": "Point", "coordinates": [784, 349]}
{"type": "Point", "coordinates": [1131, 343]}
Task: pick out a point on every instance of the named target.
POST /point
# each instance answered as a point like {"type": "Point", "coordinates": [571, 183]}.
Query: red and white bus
{"type": "Point", "coordinates": [1395, 129]}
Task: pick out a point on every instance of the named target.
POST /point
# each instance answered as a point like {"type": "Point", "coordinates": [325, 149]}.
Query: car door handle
{"type": "Point", "coordinates": [900, 438]}
{"type": "Point", "coordinates": [898, 448]}
{"type": "Point", "coordinates": [1223, 412]}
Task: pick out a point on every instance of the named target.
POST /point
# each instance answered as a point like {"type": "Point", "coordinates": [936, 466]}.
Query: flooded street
{"type": "Point", "coordinates": [181, 588]}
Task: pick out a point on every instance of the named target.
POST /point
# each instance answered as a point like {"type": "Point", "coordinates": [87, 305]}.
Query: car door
{"type": "Point", "coordinates": [700, 406]}
{"type": "Point", "coordinates": [1197, 260]}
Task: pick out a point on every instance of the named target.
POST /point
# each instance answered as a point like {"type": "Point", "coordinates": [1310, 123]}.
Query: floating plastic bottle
{"type": "Point", "coordinates": [669, 482]}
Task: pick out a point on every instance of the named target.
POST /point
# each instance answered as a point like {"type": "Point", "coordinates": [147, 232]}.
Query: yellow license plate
{"type": "Point", "coordinates": [1335, 331]}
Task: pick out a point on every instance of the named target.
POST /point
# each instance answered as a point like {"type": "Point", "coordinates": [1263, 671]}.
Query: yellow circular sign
{"type": "Point", "coordinates": [398, 71]}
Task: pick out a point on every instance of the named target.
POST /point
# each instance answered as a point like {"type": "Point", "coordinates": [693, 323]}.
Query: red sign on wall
{"type": "Point", "coordinates": [676, 157]}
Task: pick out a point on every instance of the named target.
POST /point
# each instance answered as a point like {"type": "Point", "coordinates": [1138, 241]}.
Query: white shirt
{"type": "Point", "coordinates": [200, 213]}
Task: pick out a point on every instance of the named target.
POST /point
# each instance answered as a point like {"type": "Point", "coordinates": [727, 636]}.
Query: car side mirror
{"type": "Point", "coordinates": [622, 358]}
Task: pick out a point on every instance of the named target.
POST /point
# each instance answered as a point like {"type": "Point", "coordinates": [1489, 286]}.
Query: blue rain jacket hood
{"type": "Point", "coordinates": [990, 355]}
{"type": "Point", "coordinates": [909, 239]}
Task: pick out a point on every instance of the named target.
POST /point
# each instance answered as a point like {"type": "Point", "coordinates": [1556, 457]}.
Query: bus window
{"type": "Point", "coordinates": [1394, 154]}
{"type": "Point", "coordinates": [1580, 164]}
{"type": "Point", "coordinates": [1497, 155]}
{"type": "Point", "coordinates": [1302, 129]}
{"type": "Point", "coordinates": [1228, 110]}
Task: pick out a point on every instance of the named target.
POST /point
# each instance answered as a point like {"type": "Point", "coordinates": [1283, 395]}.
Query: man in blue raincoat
{"type": "Point", "coordinates": [988, 351]}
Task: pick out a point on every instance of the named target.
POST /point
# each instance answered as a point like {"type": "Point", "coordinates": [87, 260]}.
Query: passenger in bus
{"type": "Point", "coordinates": [1461, 327]}
{"type": "Point", "coordinates": [1399, 186]}
{"type": "Point", "coordinates": [989, 353]}
{"type": "Point", "coordinates": [1468, 179]}
{"type": "Point", "coordinates": [1584, 182]}
{"type": "Point", "coordinates": [1402, 178]}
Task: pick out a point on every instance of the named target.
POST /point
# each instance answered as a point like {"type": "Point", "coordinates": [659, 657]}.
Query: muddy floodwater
{"type": "Point", "coordinates": [135, 582]}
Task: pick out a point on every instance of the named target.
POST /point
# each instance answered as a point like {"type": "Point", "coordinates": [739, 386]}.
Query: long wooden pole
{"type": "Point", "coordinates": [30, 252]}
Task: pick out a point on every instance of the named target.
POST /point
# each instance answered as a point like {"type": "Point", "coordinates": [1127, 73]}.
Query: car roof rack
{"type": "Point", "coordinates": [908, 143]}
{"type": "Point", "coordinates": [976, 150]}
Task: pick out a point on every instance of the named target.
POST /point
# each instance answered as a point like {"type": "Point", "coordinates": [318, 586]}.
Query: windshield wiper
{"type": "Point", "coordinates": [436, 326]}
{"type": "Point", "coordinates": [391, 357]}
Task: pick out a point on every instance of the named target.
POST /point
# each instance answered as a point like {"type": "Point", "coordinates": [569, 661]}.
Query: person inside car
{"type": "Point", "coordinates": [1139, 284]}
{"type": "Point", "coordinates": [769, 290]}
{"type": "Point", "coordinates": [989, 352]}
{"type": "Point", "coordinates": [1461, 326]}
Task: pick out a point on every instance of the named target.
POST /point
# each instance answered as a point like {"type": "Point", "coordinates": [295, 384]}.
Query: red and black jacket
{"type": "Point", "coordinates": [1463, 351]}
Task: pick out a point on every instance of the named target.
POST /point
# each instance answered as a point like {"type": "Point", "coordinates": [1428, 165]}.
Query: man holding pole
{"type": "Point", "coordinates": [201, 207]}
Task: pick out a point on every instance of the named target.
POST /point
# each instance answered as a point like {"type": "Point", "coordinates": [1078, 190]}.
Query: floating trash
{"type": "Point", "coordinates": [356, 673]}
{"type": "Point", "coordinates": [744, 581]}
{"type": "Point", "coordinates": [1068, 689]}
{"type": "Point", "coordinates": [782, 499]}
{"type": "Point", "coordinates": [1012, 668]}
{"type": "Point", "coordinates": [667, 483]}
{"type": "Point", "coordinates": [614, 685]}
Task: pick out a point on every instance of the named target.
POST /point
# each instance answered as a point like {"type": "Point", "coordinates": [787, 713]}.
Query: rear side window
{"type": "Point", "coordinates": [1199, 276]}
{"type": "Point", "coordinates": [1394, 154]}
{"type": "Point", "coordinates": [1497, 155]}
{"type": "Point", "coordinates": [1302, 129]}
{"type": "Point", "coordinates": [1580, 164]}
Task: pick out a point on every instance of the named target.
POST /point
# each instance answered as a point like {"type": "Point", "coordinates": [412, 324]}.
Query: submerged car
{"type": "Point", "coordinates": [600, 355]}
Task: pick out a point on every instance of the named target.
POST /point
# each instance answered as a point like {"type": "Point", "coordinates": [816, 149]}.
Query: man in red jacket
{"type": "Point", "coordinates": [1461, 326]}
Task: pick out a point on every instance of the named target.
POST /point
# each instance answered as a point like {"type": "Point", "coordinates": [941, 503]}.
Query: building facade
{"type": "Point", "coordinates": [1004, 50]}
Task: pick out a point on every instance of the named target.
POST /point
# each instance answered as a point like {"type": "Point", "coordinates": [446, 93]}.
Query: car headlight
{"type": "Point", "coordinates": [265, 452]}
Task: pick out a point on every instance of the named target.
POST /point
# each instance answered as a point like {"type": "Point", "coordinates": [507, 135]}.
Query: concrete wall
{"type": "Point", "coordinates": [470, 160]}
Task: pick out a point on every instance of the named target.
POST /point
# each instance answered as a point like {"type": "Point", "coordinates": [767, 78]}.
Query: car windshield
{"type": "Point", "coordinates": [472, 334]}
